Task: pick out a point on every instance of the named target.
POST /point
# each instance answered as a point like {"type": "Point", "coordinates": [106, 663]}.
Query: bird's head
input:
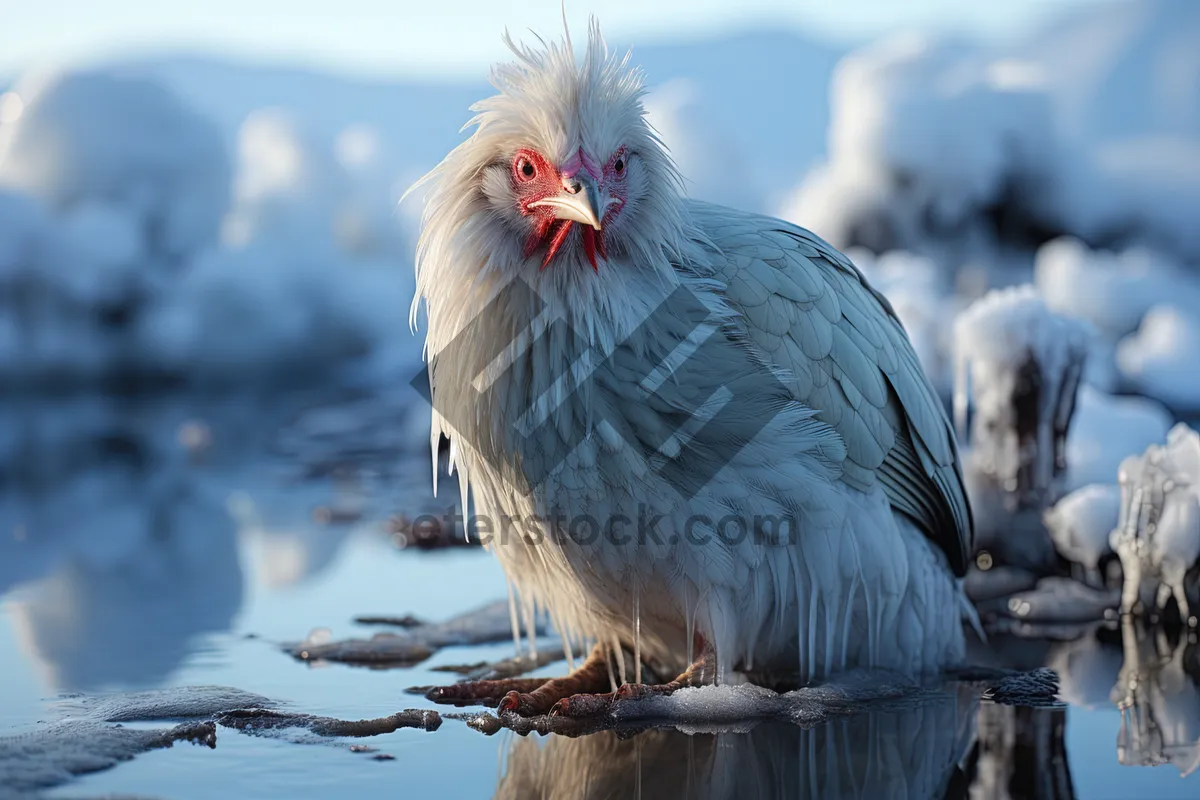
{"type": "Point", "coordinates": [561, 180]}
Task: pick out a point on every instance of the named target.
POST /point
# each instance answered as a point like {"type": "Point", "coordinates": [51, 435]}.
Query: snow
{"type": "Point", "coordinates": [1162, 359]}
{"type": "Point", "coordinates": [1022, 364]}
{"type": "Point", "coordinates": [129, 247]}
{"type": "Point", "coordinates": [148, 209]}
{"type": "Point", "coordinates": [1080, 523]}
{"type": "Point", "coordinates": [1106, 429]}
{"type": "Point", "coordinates": [1158, 533]}
{"type": "Point", "coordinates": [966, 153]}
{"type": "Point", "coordinates": [93, 137]}
{"type": "Point", "coordinates": [1113, 291]}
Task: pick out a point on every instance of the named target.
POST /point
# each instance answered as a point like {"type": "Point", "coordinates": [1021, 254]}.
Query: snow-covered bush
{"type": "Point", "coordinates": [127, 248]}
{"type": "Point", "coordinates": [965, 153]}
{"type": "Point", "coordinates": [1021, 365]}
{"type": "Point", "coordinates": [1162, 359]}
{"type": "Point", "coordinates": [929, 146]}
{"type": "Point", "coordinates": [127, 143]}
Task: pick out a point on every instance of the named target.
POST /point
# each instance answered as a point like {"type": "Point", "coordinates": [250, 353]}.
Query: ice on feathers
{"type": "Point", "coordinates": [1158, 534]}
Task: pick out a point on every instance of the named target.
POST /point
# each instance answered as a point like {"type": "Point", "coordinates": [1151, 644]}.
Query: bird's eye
{"type": "Point", "coordinates": [619, 165]}
{"type": "Point", "coordinates": [524, 169]}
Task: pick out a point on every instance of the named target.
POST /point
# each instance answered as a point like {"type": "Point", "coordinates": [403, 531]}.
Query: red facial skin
{"type": "Point", "coordinates": [535, 179]}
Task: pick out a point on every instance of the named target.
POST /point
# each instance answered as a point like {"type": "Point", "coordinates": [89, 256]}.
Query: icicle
{"type": "Point", "coordinates": [435, 440]}
{"type": "Point", "coordinates": [612, 681]}
{"type": "Point", "coordinates": [529, 613]}
{"type": "Point", "coordinates": [637, 636]}
{"type": "Point", "coordinates": [570, 657]}
{"type": "Point", "coordinates": [812, 628]}
{"type": "Point", "coordinates": [512, 618]}
{"type": "Point", "coordinates": [619, 655]}
{"type": "Point", "coordinates": [831, 618]}
{"type": "Point", "coordinates": [689, 613]}
{"type": "Point", "coordinates": [846, 623]}
{"type": "Point", "coordinates": [962, 388]}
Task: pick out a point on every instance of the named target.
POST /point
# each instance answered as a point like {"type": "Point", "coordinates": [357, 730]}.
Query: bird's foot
{"type": "Point", "coordinates": [587, 706]}
{"type": "Point", "coordinates": [528, 697]}
{"type": "Point", "coordinates": [484, 693]}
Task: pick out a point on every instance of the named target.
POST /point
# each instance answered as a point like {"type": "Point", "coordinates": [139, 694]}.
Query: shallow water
{"type": "Point", "coordinates": [178, 542]}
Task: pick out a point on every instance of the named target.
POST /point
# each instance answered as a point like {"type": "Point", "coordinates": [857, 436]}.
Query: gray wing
{"type": "Point", "coordinates": [849, 358]}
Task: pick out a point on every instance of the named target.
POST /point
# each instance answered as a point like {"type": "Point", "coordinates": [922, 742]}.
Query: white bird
{"type": "Point", "coordinates": [692, 433]}
{"type": "Point", "coordinates": [1080, 523]}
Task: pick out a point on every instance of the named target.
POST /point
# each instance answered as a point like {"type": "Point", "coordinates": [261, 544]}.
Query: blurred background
{"type": "Point", "coordinates": [208, 424]}
{"type": "Point", "coordinates": [209, 195]}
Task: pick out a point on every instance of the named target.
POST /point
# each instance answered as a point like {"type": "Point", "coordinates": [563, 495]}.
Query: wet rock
{"type": "Point", "coordinates": [381, 650]}
{"type": "Point", "coordinates": [1000, 581]}
{"type": "Point", "coordinates": [1056, 600]}
{"type": "Point", "coordinates": [406, 621]}
{"type": "Point", "coordinates": [506, 668]}
{"type": "Point", "coordinates": [258, 721]}
{"type": "Point", "coordinates": [485, 625]}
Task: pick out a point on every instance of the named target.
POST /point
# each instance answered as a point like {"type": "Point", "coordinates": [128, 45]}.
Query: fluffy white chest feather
{"type": "Point", "coordinates": [738, 455]}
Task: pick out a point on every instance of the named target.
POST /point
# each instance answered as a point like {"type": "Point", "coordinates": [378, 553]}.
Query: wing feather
{"type": "Point", "coordinates": [815, 316]}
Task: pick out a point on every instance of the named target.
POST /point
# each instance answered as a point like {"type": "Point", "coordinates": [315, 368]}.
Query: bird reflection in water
{"type": "Point", "coordinates": [914, 752]}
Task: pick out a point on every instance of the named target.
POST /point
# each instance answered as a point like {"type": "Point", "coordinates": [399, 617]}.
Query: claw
{"type": "Point", "coordinates": [583, 706]}
{"type": "Point", "coordinates": [511, 702]}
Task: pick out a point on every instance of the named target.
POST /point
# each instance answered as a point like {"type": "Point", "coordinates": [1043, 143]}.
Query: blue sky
{"type": "Point", "coordinates": [455, 37]}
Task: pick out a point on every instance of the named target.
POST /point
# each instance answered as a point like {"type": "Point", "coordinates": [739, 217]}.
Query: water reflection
{"type": "Point", "coordinates": [121, 520]}
{"type": "Point", "coordinates": [900, 753]}
{"type": "Point", "coordinates": [1159, 695]}
{"type": "Point", "coordinates": [1021, 754]}
{"type": "Point", "coordinates": [122, 552]}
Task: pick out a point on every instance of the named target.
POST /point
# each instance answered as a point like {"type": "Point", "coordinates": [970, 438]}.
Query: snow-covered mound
{"type": "Point", "coordinates": [128, 247]}
{"type": "Point", "coordinates": [924, 138]}
{"type": "Point", "coordinates": [1163, 358]}
{"type": "Point", "coordinates": [1080, 523]}
{"type": "Point", "coordinates": [1105, 430]}
{"type": "Point", "coordinates": [1113, 291]}
{"type": "Point", "coordinates": [715, 162]}
{"type": "Point", "coordinates": [1158, 533]}
{"type": "Point", "coordinates": [129, 145]}
{"type": "Point", "coordinates": [969, 154]}
{"type": "Point", "coordinates": [1123, 70]}
{"type": "Point", "coordinates": [1021, 365]}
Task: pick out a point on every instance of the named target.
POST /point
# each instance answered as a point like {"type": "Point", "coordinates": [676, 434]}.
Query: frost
{"type": "Point", "coordinates": [1080, 523]}
{"type": "Point", "coordinates": [1105, 430]}
{"type": "Point", "coordinates": [1023, 364]}
{"type": "Point", "coordinates": [1158, 533]}
{"type": "Point", "coordinates": [961, 152]}
{"type": "Point", "coordinates": [129, 249]}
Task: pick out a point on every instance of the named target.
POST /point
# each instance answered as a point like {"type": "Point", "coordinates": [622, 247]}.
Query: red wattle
{"type": "Point", "coordinates": [589, 246]}
{"type": "Point", "coordinates": [560, 235]}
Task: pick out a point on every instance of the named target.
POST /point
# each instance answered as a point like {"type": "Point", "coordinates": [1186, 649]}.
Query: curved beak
{"type": "Point", "coordinates": [579, 201]}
